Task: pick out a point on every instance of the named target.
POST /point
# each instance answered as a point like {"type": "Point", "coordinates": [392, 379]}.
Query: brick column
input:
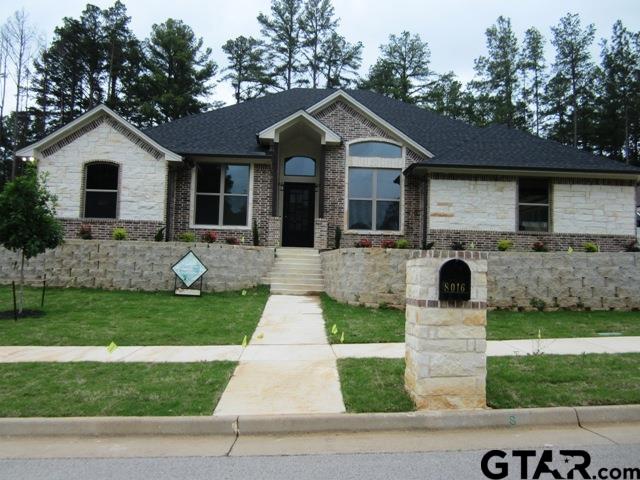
{"type": "Point", "coordinates": [445, 339]}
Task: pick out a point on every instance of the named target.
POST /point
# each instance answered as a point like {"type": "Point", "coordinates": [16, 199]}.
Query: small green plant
{"type": "Point", "coordinates": [159, 237]}
{"type": "Point", "coordinates": [591, 247]}
{"type": "Point", "coordinates": [119, 233]}
{"type": "Point", "coordinates": [402, 243]}
{"type": "Point", "coordinates": [457, 245]}
{"type": "Point", "coordinates": [188, 237]}
{"type": "Point", "coordinates": [632, 246]}
{"type": "Point", "coordinates": [504, 245]}
{"type": "Point", "coordinates": [256, 233]}
{"type": "Point", "coordinates": [338, 237]}
{"type": "Point", "coordinates": [538, 303]}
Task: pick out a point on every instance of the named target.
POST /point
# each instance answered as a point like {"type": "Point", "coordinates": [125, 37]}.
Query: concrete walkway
{"type": "Point", "coordinates": [288, 367]}
{"type": "Point", "coordinates": [274, 335]}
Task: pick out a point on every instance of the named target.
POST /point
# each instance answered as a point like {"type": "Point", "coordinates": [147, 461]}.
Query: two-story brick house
{"type": "Point", "coordinates": [305, 162]}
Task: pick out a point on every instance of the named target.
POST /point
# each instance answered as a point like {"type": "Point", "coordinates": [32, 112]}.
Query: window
{"type": "Point", "coordinates": [375, 149]}
{"type": "Point", "coordinates": [300, 167]}
{"type": "Point", "coordinates": [101, 190]}
{"type": "Point", "coordinates": [374, 199]}
{"type": "Point", "coordinates": [533, 205]}
{"type": "Point", "coordinates": [222, 194]}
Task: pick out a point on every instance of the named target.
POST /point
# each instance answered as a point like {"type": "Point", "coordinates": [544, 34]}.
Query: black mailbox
{"type": "Point", "coordinates": [455, 280]}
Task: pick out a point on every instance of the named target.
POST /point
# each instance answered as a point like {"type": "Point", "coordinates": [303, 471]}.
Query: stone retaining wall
{"type": "Point", "coordinates": [127, 265]}
{"type": "Point", "coordinates": [562, 280]}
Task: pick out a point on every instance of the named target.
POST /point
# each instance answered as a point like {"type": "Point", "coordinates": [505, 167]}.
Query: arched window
{"type": "Point", "coordinates": [375, 149]}
{"type": "Point", "coordinates": [101, 190]}
{"type": "Point", "coordinates": [300, 167]}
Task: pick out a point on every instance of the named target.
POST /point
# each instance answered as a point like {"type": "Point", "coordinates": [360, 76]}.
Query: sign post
{"type": "Point", "coordinates": [189, 269]}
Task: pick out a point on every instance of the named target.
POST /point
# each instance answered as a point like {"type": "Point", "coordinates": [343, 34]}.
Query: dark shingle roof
{"type": "Point", "coordinates": [232, 131]}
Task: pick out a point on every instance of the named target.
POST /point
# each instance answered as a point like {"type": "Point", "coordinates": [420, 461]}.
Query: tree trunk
{"type": "Point", "coordinates": [21, 295]}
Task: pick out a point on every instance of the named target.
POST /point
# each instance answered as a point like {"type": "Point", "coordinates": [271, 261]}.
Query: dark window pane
{"type": "Point", "coordinates": [208, 177]}
{"type": "Point", "coordinates": [375, 149]}
{"type": "Point", "coordinates": [236, 179]}
{"type": "Point", "coordinates": [102, 176]}
{"type": "Point", "coordinates": [100, 204]}
{"type": "Point", "coordinates": [207, 209]}
{"type": "Point", "coordinates": [388, 184]}
{"type": "Point", "coordinates": [533, 218]}
{"type": "Point", "coordinates": [300, 166]}
{"type": "Point", "coordinates": [235, 210]}
{"type": "Point", "coordinates": [360, 214]}
{"type": "Point", "coordinates": [360, 183]}
{"type": "Point", "coordinates": [388, 215]}
{"type": "Point", "coordinates": [534, 191]}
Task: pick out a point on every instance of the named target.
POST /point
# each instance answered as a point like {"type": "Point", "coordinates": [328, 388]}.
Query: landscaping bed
{"type": "Point", "coordinates": [111, 389]}
{"type": "Point", "coordinates": [377, 385]}
{"type": "Point", "coordinates": [383, 325]}
{"type": "Point", "coordinates": [98, 317]}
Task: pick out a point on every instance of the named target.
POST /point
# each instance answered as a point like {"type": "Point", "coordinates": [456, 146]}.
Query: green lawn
{"type": "Point", "coordinates": [377, 385]}
{"type": "Point", "coordinates": [504, 325]}
{"type": "Point", "coordinates": [111, 389]}
{"type": "Point", "coordinates": [97, 317]}
{"type": "Point", "coordinates": [370, 325]}
{"type": "Point", "coordinates": [362, 324]}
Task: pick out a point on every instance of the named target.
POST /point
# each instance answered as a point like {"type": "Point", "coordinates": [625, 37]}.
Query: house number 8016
{"type": "Point", "coordinates": [455, 287]}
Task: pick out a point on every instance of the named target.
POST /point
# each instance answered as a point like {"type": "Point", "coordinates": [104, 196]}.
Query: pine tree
{"type": "Point", "coordinates": [497, 75]}
{"type": "Point", "coordinates": [317, 24]}
{"type": "Point", "coordinates": [532, 64]}
{"type": "Point", "coordinates": [246, 70]}
{"type": "Point", "coordinates": [402, 71]}
{"type": "Point", "coordinates": [446, 95]}
{"type": "Point", "coordinates": [178, 74]}
{"type": "Point", "coordinates": [573, 63]}
{"type": "Point", "coordinates": [282, 31]}
{"type": "Point", "coordinates": [340, 61]}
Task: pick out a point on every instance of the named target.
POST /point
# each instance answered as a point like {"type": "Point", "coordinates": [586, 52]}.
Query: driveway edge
{"type": "Point", "coordinates": [297, 424]}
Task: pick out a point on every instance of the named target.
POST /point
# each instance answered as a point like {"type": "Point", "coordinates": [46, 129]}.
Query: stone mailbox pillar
{"type": "Point", "coordinates": [445, 332]}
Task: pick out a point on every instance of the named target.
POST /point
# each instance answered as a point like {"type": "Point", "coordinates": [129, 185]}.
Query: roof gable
{"type": "Point", "coordinates": [272, 132]}
{"type": "Point", "coordinates": [87, 122]}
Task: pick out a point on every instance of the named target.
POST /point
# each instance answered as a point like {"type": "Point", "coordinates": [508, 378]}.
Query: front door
{"type": "Point", "coordinates": [298, 213]}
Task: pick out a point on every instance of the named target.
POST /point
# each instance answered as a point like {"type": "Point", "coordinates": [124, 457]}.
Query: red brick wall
{"type": "Point", "coordinates": [102, 229]}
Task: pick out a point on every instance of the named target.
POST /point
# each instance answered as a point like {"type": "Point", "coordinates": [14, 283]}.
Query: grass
{"type": "Point", "coordinates": [373, 385]}
{"type": "Point", "coordinates": [505, 325]}
{"type": "Point", "coordinates": [362, 324]}
{"type": "Point", "coordinates": [110, 389]}
{"type": "Point", "coordinates": [371, 325]}
{"type": "Point", "coordinates": [97, 317]}
{"type": "Point", "coordinates": [377, 385]}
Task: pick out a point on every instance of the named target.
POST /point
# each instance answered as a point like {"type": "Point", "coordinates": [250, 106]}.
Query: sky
{"type": "Point", "coordinates": [454, 29]}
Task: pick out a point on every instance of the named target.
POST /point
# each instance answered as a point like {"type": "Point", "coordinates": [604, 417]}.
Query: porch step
{"type": "Point", "coordinates": [296, 271]}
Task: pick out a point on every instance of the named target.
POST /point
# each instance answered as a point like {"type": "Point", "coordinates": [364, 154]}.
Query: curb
{"type": "Point", "coordinates": [332, 423]}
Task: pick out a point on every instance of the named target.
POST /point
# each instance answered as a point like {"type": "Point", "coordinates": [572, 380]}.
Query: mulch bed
{"type": "Point", "coordinates": [26, 313]}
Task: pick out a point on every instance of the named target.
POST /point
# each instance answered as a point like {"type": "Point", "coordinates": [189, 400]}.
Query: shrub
{"type": "Point", "coordinates": [85, 232]}
{"type": "Point", "coordinates": [539, 247]}
{"type": "Point", "coordinates": [538, 303]}
{"type": "Point", "coordinates": [504, 245]}
{"type": "Point", "coordinates": [428, 246]}
{"type": "Point", "coordinates": [256, 233]}
{"type": "Point", "coordinates": [209, 237]}
{"type": "Point", "coordinates": [338, 237]}
{"type": "Point", "coordinates": [456, 245]}
{"type": "Point", "coordinates": [119, 233]}
{"type": "Point", "coordinates": [159, 237]}
{"type": "Point", "coordinates": [232, 241]}
{"type": "Point", "coordinates": [402, 243]}
{"type": "Point", "coordinates": [591, 247]}
{"type": "Point", "coordinates": [632, 246]}
{"type": "Point", "coordinates": [188, 237]}
{"type": "Point", "coordinates": [364, 243]}
{"type": "Point", "coordinates": [388, 244]}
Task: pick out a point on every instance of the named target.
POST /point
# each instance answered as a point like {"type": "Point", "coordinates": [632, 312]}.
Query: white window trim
{"type": "Point", "coordinates": [192, 207]}
{"type": "Point", "coordinates": [375, 163]}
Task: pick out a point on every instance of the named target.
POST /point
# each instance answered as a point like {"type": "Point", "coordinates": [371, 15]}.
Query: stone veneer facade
{"type": "Point", "coordinates": [476, 210]}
